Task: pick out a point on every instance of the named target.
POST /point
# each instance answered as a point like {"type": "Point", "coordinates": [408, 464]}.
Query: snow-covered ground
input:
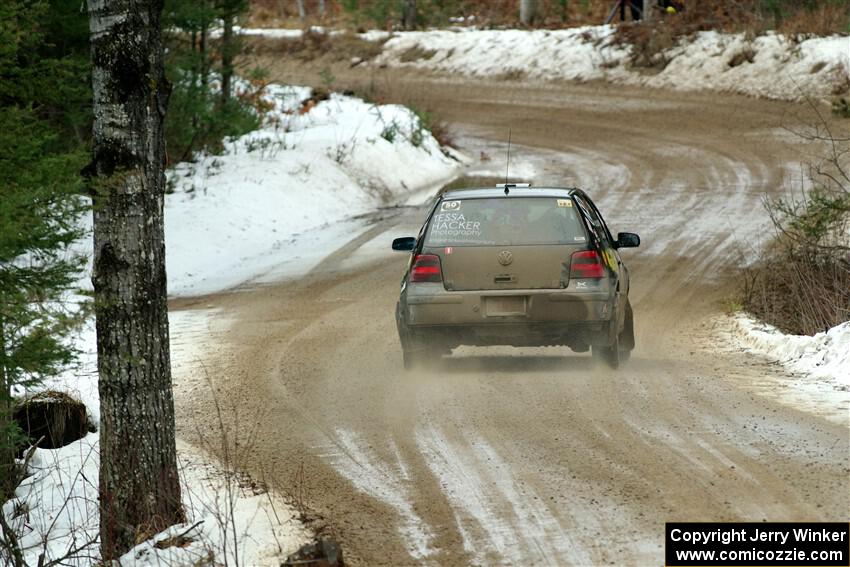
{"type": "Point", "coordinates": [779, 68]}
{"type": "Point", "coordinates": [55, 511]}
{"type": "Point", "coordinates": [769, 65]}
{"type": "Point", "coordinates": [818, 366]}
{"type": "Point", "coordinates": [824, 357]}
{"type": "Point", "coordinates": [234, 216]}
{"type": "Point", "coordinates": [277, 200]}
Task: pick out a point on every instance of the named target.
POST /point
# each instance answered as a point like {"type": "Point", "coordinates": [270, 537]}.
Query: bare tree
{"type": "Point", "coordinates": [527, 11]}
{"type": "Point", "coordinates": [408, 15]}
{"type": "Point", "coordinates": [139, 484]}
{"type": "Point", "coordinates": [302, 13]}
{"type": "Point", "coordinates": [648, 8]}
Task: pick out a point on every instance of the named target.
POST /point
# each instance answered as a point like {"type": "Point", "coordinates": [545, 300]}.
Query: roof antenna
{"type": "Point", "coordinates": [508, 165]}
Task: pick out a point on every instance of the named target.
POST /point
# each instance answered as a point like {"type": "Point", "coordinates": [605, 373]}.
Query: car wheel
{"type": "Point", "coordinates": [419, 358]}
{"type": "Point", "coordinates": [410, 359]}
{"type": "Point", "coordinates": [413, 352]}
{"type": "Point", "coordinates": [627, 336]}
{"type": "Point", "coordinates": [609, 354]}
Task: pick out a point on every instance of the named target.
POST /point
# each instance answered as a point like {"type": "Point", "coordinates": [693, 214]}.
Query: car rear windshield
{"type": "Point", "coordinates": [505, 221]}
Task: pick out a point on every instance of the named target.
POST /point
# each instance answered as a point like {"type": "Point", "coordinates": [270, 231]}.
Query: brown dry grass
{"type": "Point", "coordinates": [746, 55]}
{"type": "Point", "coordinates": [649, 44]}
{"type": "Point", "coordinates": [417, 53]}
{"type": "Point", "coordinates": [312, 46]}
{"type": "Point", "coordinates": [650, 40]}
{"type": "Point", "coordinates": [796, 19]}
{"type": "Point", "coordinates": [841, 81]}
{"type": "Point", "coordinates": [799, 293]}
{"type": "Point", "coordinates": [826, 19]}
{"type": "Point", "coordinates": [273, 13]}
{"type": "Point", "coordinates": [442, 132]}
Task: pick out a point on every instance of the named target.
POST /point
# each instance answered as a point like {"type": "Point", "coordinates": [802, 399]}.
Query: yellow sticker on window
{"type": "Point", "coordinates": [565, 202]}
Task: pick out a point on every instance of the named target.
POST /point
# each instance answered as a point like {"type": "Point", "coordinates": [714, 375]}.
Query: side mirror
{"type": "Point", "coordinates": [627, 240]}
{"type": "Point", "coordinates": [404, 244]}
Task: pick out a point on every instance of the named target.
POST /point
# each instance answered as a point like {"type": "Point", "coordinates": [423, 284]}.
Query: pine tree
{"type": "Point", "coordinates": [198, 118]}
{"type": "Point", "coordinates": [40, 206]}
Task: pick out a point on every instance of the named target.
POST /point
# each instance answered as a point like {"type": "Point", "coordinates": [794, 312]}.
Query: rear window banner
{"type": "Point", "coordinates": [504, 222]}
{"type": "Point", "coordinates": [454, 225]}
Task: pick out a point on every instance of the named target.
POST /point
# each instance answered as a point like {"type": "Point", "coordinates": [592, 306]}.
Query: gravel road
{"type": "Point", "coordinates": [536, 456]}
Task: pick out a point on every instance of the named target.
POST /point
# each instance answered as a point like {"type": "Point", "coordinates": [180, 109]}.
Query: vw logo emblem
{"type": "Point", "coordinates": [505, 257]}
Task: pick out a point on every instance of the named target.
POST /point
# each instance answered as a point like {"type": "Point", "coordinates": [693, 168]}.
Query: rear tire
{"type": "Point", "coordinates": [411, 359]}
{"type": "Point", "coordinates": [609, 354]}
{"type": "Point", "coordinates": [413, 352]}
{"type": "Point", "coordinates": [627, 336]}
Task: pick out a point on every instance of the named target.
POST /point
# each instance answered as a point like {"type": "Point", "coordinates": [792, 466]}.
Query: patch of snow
{"type": "Point", "coordinates": [296, 33]}
{"type": "Point", "coordinates": [774, 66]}
{"type": "Point", "coordinates": [389, 483]}
{"type": "Point", "coordinates": [275, 33]}
{"type": "Point", "coordinates": [824, 357]}
{"type": "Point", "coordinates": [818, 367]}
{"type": "Point", "coordinates": [55, 511]}
{"type": "Point", "coordinates": [486, 500]}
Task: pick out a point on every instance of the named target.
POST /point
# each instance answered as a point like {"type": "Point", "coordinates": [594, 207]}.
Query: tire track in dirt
{"type": "Point", "coordinates": [536, 456]}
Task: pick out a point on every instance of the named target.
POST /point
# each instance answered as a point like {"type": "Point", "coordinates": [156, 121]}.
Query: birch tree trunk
{"type": "Point", "coordinates": [7, 444]}
{"type": "Point", "coordinates": [139, 485]}
{"type": "Point", "coordinates": [527, 11]}
{"type": "Point", "coordinates": [302, 13]}
{"type": "Point", "coordinates": [648, 9]}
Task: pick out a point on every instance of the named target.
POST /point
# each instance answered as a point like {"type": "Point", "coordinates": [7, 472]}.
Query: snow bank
{"type": "Point", "coordinates": [233, 216]}
{"type": "Point", "coordinates": [56, 512]}
{"type": "Point", "coordinates": [824, 357]}
{"type": "Point", "coordinates": [780, 68]}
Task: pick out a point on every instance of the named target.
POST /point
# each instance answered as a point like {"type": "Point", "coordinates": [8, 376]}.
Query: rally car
{"type": "Point", "coordinates": [515, 265]}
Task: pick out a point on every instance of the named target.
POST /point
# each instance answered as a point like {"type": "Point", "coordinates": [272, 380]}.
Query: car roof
{"type": "Point", "coordinates": [491, 192]}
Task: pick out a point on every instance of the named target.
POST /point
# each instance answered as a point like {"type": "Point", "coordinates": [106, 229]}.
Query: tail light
{"type": "Point", "coordinates": [426, 268]}
{"type": "Point", "coordinates": [586, 264]}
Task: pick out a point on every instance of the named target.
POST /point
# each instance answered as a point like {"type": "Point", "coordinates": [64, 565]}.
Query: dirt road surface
{"type": "Point", "coordinates": [536, 456]}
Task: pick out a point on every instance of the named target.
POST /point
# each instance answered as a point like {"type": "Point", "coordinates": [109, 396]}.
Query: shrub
{"type": "Point", "coordinates": [745, 55]}
{"type": "Point", "coordinates": [814, 18]}
{"type": "Point", "coordinates": [648, 44]}
{"type": "Point", "coordinates": [390, 131]}
{"type": "Point", "coordinates": [427, 122]}
{"type": "Point", "coordinates": [802, 282]}
{"type": "Point", "coordinates": [799, 291]}
{"type": "Point", "coordinates": [198, 121]}
{"type": "Point", "coordinates": [789, 16]}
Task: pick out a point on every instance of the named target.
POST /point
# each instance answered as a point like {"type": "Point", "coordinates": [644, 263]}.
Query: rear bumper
{"type": "Point", "coordinates": [575, 335]}
{"type": "Point", "coordinates": [575, 316]}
